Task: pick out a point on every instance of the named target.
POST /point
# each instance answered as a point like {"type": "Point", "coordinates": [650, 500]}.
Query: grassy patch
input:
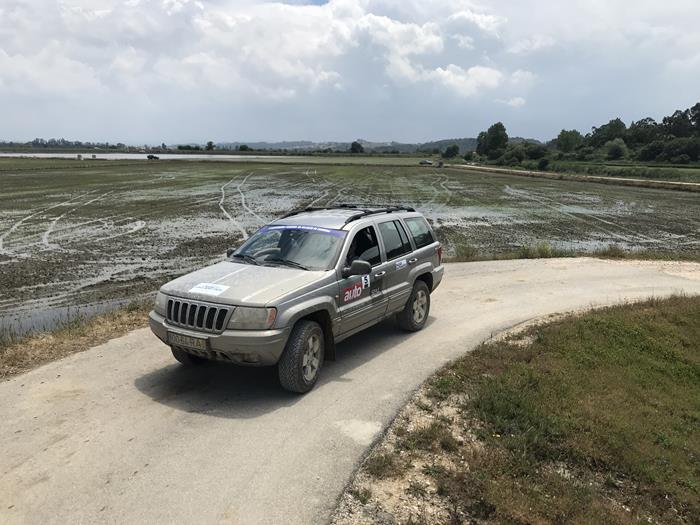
{"type": "Point", "coordinates": [594, 420]}
{"type": "Point", "coordinates": [19, 354]}
{"type": "Point", "coordinates": [385, 465]}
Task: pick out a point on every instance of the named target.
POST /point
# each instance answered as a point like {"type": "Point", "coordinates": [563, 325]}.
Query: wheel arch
{"type": "Point", "coordinates": [427, 278]}
{"type": "Point", "coordinates": [323, 318]}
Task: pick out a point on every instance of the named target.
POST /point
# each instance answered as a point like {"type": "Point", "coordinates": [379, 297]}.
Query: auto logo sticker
{"type": "Point", "coordinates": [209, 289]}
{"type": "Point", "coordinates": [365, 281]}
{"type": "Point", "coordinates": [352, 292]}
{"type": "Point", "coordinates": [401, 264]}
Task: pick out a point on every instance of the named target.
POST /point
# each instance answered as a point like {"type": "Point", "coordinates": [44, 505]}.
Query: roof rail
{"type": "Point", "coordinates": [319, 208]}
{"type": "Point", "coordinates": [366, 212]}
{"type": "Point", "coordinates": [361, 212]}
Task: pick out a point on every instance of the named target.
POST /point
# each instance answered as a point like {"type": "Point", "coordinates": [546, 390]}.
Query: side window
{"type": "Point", "coordinates": [395, 243]}
{"type": "Point", "coordinates": [364, 246]}
{"type": "Point", "coordinates": [420, 231]}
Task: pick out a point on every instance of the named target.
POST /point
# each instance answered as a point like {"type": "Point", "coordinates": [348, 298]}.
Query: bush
{"type": "Point", "coordinates": [651, 151]}
{"type": "Point", "coordinates": [469, 156]}
{"type": "Point", "coordinates": [616, 149]}
{"type": "Point", "coordinates": [535, 151]}
{"type": "Point", "coordinates": [495, 154]}
{"type": "Point", "coordinates": [681, 159]}
{"type": "Point", "coordinates": [514, 155]}
{"type": "Point", "coordinates": [543, 164]}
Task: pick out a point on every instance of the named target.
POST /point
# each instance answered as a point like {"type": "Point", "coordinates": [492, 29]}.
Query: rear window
{"type": "Point", "coordinates": [420, 231]}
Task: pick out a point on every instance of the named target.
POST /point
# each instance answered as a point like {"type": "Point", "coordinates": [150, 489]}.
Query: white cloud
{"type": "Point", "coordinates": [346, 68]}
{"type": "Point", "coordinates": [531, 44]}
{"type": "Point", "coordinates": [514, 102]}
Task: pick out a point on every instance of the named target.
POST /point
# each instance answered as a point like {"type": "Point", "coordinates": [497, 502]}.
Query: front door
{"type": "Point", "coordinates": [361, 299]}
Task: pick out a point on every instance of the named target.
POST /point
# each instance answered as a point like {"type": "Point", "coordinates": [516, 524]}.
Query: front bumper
{"type": "Point", "coordinates": [242, 347]}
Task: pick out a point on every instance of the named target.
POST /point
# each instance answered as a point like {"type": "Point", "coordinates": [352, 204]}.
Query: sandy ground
{"type": "Point", "coordinates": [122, 434]}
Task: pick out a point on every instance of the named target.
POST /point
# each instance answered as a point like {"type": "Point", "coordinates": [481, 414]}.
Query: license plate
{"type": "Point", "coordinates": [187, 341]}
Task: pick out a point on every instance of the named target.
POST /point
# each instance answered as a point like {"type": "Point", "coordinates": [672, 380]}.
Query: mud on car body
{"type": "Point", "coordinates": [300, 285]}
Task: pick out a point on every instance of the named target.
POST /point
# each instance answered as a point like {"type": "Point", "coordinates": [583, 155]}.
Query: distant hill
{"type": "Point", "coordinates": [465, 144]}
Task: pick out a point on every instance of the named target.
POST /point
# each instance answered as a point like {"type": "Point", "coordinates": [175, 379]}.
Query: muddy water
{"type": "Point", "coordinates": [96, 237]}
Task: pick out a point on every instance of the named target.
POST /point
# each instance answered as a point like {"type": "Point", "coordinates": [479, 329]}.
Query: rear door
{"type": "Point", "coordinates": [395, 271]}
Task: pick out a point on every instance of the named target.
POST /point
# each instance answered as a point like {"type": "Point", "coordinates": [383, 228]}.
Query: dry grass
{"type": "Point", "coordinates": [25, 353]}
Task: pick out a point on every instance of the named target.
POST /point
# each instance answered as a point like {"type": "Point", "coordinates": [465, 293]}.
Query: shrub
{"type": "Point", "coordinates": [543, 164]}
{"type": "Point", "coordinates": [616, 149]}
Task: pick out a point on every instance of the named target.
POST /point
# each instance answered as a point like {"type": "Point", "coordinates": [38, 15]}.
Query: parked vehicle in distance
{"type": "Point", "coordinates": [300, 285]}
{"type": "Point", "coordinates": [426, 162]}
{"type": "Point", "coordinates": [153, 157]}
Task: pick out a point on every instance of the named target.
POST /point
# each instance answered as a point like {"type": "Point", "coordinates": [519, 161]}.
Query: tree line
{"type": "Point", "coordinates": [676, 140]}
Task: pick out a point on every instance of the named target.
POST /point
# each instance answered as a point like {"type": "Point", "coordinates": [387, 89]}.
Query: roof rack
{"type": "Point", "coordinates": [318, 208]}
{"type": "Point", "coordinates": [371, 211]}
{"type": "Point", "coordinates": [361, 212]}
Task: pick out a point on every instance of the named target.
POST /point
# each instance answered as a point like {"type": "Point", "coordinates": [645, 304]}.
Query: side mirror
{"type": "Point", "coordinates": [230, 252]}
{"type": "Point", "coordinates": [358, 267]}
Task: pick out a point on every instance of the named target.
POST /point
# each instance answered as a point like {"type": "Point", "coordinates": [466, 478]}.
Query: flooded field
{"type": "Point", "coordinates": [84, 237]}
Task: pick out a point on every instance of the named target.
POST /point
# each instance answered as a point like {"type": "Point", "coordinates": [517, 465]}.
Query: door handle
{"type": "Point", "coordinates": [380, 274]}
{"type": "Point", "coordinates": [413, 261]}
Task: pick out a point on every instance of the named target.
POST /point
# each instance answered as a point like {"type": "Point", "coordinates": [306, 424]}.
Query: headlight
{"type": "Point", "coordinates": [246, 318]}
{"type": "Point", "coordinates": [161, 304]}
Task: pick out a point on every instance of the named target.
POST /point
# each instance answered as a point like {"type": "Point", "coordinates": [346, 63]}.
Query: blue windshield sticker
{"type": "Point", "coordinates": [317, 229]}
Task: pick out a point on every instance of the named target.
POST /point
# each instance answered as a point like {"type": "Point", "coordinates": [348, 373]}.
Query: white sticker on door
{"type": "Point", "coordinates": [365, 281]}
{"type": "Point", "coordinates": [401, 264]}
{"type": "Point", "coordinates": [209, 289]}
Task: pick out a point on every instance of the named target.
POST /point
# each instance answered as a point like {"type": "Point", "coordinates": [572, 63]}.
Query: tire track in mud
{"type": "Point", "coordinates": [243, 201]}
{"type": "Point", "coordinates": [556, 206]}
{"type": "Point", "coordinates": [16, 225]}
{"type": "Point", "coordinates": [52, 224]}
{"type": "Point", "coordinates": [227, 214]}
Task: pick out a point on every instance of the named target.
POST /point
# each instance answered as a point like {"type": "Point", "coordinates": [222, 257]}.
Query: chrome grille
{"type": "Point", "coordinates": [197, 316]}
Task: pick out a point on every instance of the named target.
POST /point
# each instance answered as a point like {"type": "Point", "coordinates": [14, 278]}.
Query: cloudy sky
{"type": "Point", "coordinates": [146, 71]}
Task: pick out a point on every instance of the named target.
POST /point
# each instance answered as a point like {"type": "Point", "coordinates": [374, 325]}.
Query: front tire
{"type": "Point", "coordinates": [415, 314]}
{"type": "Point", "coordinates": [301, 361]}
{"type": "Point", "coordinates": [185, 358]}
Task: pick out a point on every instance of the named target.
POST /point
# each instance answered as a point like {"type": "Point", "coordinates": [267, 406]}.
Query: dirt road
{"type": "Point", "coordinates": [122, 434]}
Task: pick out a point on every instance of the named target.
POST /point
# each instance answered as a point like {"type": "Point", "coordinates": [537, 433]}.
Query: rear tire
{"type": "Point", "coordinates": [185, 358]}
{"type": "Point", "coordinates": [301, 361]}
{"type": "Point", "coordinates": [415, 314]}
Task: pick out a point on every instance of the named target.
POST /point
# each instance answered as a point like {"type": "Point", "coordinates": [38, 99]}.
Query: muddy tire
{"type": "Point", "coordinates": [185, 358]}
{"type": "Point", "coordinates": [415, 314]}
{"type": "Point", "coordinates": [301, 361]}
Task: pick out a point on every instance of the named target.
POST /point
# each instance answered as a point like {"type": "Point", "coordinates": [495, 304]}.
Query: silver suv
{"type": "Point", "coordinates": [300, 285]}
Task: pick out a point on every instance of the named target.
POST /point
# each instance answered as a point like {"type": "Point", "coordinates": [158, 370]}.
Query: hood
{"type": "Point", "coordinates": [240, 284]}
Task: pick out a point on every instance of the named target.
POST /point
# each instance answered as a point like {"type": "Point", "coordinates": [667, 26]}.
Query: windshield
{"type": "Point", "coordinates": [298, 246]}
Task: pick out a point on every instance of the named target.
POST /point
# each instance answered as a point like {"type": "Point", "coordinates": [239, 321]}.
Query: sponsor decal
{"type": "Point", "coordinates": [209, 289]}
{"type": "Point", "coordinates": [352, 292]}
{"type": "Point", "coordinates": [365, 281]}
{"type": "Point", "coordinates": [401, 264]}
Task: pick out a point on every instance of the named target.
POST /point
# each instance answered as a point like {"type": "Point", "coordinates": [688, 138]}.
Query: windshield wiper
{"type": "Point", "coordinates": [247, 258]}
{"type": "Point", "coordinates": [287, 262]}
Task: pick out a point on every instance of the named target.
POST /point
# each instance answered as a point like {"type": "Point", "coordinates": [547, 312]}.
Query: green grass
{"type": "Point", "coordinates": [583, 415]}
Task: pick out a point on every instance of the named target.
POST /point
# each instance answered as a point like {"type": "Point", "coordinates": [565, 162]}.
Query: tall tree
{"type": "Point", "coordinates": [492, 141]}
{"type": "Point", "coordinates": [356, 147]}
{"type": "Point", "coordinates": [569, 140]}
{"type": "Point", "coordinates": [643, 132]}
{"type": "Point", "coordinates": [615, 129]}
{"type": "Point", "coordinates": [210, 146]}
{"type": "Point", "coordinates": [451, 151]}
{"type": "Point", "coordinates": [679, 124]}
